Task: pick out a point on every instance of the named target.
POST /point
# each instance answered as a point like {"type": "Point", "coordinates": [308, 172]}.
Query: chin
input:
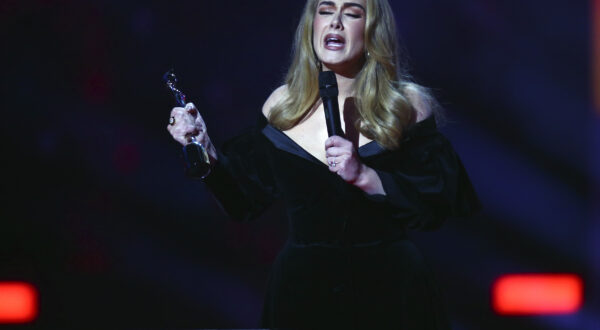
{"type": "Point", "coordinates": [339, 59]}
{"type": "Point", "coordinates": [345, 66]}
{"type": "Point", "coordinates": [335, 60]}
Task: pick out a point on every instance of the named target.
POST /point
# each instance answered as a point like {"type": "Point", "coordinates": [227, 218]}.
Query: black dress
{"type": "Point", "coordinates": [347, 263]}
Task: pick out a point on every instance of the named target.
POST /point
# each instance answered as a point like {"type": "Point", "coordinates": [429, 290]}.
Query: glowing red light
{"type": "Point", "coordinates": [96, 87]}
{"type": "Point", "coordinates": [126, 158]}
{"type": "Point", "coordinates": [537, 294]}
{"type": "Point", "coordinates": [18, 302]}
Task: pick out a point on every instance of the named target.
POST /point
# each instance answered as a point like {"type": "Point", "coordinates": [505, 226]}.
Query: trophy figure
{"type": "Point", "coordinates": [195, 155]}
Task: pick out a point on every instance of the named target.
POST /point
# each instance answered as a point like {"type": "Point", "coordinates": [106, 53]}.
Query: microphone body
{"type": "Point", "coordinates": [328, 91]}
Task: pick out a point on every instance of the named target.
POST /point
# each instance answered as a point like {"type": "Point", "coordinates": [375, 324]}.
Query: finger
{"type": "Point", "coordinates": [201, 138]}
{"type": "Point", "coordinates": [192, 130]}
{"type": "Point", "coordinates": [336, 141]}
{"type": "Point", "coordinates": [194, 134]}
{"type": "Point", "coordinates": [178, 137]}
{"type": "Point", "coordinates": [335, 162]}
{"type": "Point", "coordinates": [333, 165]}
{"type": "Point", "coordinates": [191, 109]}
{"type": "Point", "coordinates": [330, 142]}
{"type": "Point", "coordinates": [175, 124]}
{"type": "Point", "coordinates": [180, 121]}
{"type": "Point", "coordinates": [179, 114]}
{"type": "Point", "coordinates": [177, 110]}
{"type": "Point", "coordinates": [183, 127]}
{"type": "Point", "coordinates": [337, 151]}
{"type": "Point", "coordinates": [198, 132]}
{"type": "Point", "coordinates": [200, 122]}
{"type": "Point", "coordinates": [179, 132]}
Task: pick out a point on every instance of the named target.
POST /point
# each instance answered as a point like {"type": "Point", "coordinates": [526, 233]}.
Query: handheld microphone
{"type": "Point", "coordinates": [328, 91]}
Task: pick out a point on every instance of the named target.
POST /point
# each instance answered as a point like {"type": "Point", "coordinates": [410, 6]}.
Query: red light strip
{"type": "Point", "coordinates": [537, 294]}
{"type": "Point", "coordinates": [18, 302]}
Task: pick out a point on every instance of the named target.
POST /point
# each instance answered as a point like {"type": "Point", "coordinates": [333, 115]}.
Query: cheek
{"type": "Point", "coordinates": [317, 31]}
{"type": "Point", "coordinates": [358, 35]}
{"type": "Point", "coordinates": [317, 21]}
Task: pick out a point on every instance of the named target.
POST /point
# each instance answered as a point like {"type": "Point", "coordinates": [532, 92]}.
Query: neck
{"type": "Point", "coordinates": [345, 79]}
{"type": "Point", "coordinates": [345, 83]}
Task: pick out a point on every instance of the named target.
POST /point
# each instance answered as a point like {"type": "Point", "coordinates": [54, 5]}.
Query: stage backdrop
{"type": "Point", "coordinates": [98, 216]}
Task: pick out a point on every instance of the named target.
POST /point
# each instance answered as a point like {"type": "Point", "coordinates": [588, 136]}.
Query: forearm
{"type": "Point", "coordinates": [226, 190]}
{"type": "Point", "coordinates": [369, 181]}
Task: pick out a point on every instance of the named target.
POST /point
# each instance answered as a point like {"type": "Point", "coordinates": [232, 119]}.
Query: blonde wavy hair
{"type": "Point", "coordinates": [383, 93]}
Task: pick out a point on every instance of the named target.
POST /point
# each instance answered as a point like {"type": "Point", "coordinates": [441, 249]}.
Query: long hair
{"type": "Point", "coordinates": [383, 91]}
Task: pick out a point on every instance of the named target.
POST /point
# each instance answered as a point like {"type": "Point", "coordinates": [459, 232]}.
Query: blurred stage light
{"type": "Point", "coordinates": [18, 302]}
{"type": "Point", "coordinates": [596, 52]}
{"type": "Point", "coordinates": [537, 294]}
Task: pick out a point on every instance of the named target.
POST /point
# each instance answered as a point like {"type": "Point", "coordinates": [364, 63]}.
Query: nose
{"type": "Point", "coordinates": [336, 22]}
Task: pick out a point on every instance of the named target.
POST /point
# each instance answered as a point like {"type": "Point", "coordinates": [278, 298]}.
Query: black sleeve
{"type": "Point", "coordinates": [242, 179]}
{"type": "Point", "coordinates": [425, 181]}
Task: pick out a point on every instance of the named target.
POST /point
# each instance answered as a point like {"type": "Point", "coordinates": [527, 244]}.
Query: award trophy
{"type": "Point", "coordinates": [195, 155]}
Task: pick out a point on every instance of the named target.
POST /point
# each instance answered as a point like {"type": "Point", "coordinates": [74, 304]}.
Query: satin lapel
{"type": "Point", "coordinates": [283, 142]}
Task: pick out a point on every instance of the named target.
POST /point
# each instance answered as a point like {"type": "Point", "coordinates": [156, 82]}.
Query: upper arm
{"type": "Point", "coordinates": [242, 180]}
{"type": "Point", "coordinates": [425, 182]}
{"type": "Point", "coordinates": [276, 96]}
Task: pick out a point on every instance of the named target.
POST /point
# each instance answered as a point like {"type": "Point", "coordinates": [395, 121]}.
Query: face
{"type": "Point", "coordinates": [338, 34]}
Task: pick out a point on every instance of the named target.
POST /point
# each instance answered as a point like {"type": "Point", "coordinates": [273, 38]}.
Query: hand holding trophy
{"type": "Point", "coordinates": [188, 128]}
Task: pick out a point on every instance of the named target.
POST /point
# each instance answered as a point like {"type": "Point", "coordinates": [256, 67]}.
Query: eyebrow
{"type": "Point", "coordinates": [346, 4]}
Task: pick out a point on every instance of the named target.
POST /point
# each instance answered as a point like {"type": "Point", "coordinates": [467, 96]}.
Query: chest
{"type": "Point", "coordinates": [311, 133]}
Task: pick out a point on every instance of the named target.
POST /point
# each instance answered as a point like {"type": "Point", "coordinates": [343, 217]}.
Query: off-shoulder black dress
{"type": "Point", "coordinates": [347, 263]}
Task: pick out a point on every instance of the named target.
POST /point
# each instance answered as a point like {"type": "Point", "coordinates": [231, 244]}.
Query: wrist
{"type": "Point", "coordinates": [211, 151]}
{"type": "Point", "coordinates": [368, 181]}
{"type": "Point", "coordinates": [360, 179]}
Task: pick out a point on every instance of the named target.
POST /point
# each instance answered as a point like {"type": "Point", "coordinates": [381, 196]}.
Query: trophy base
{"type": "Point", "coordinates": [197, 161]}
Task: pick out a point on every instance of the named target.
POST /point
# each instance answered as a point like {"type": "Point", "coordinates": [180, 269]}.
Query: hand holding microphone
{"type": "Point", "coordinates": [341, 154]}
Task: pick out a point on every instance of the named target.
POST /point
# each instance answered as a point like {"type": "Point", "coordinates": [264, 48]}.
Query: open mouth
{"type": "Point", "coordinates": [334, 41]}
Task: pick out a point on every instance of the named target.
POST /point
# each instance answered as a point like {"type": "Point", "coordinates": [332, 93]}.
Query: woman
{"type": "Point", "coordinates": [347, 263]}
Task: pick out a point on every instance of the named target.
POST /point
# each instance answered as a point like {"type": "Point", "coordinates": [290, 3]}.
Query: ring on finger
{"type": "Point", "coordinates": [172, 121]}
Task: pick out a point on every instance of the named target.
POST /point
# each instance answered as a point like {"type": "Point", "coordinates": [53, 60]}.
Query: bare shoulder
{"type": "Point", "coordinates": [278, 94]}
{"type": "Point", "coordinates": [420, 100]}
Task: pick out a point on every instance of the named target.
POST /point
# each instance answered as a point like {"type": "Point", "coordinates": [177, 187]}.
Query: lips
{"type": "Point", "coordinates": [334, 41]}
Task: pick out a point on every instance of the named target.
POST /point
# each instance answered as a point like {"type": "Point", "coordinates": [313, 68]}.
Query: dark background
{"type": "Point", "coordinates": [97, 213]}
